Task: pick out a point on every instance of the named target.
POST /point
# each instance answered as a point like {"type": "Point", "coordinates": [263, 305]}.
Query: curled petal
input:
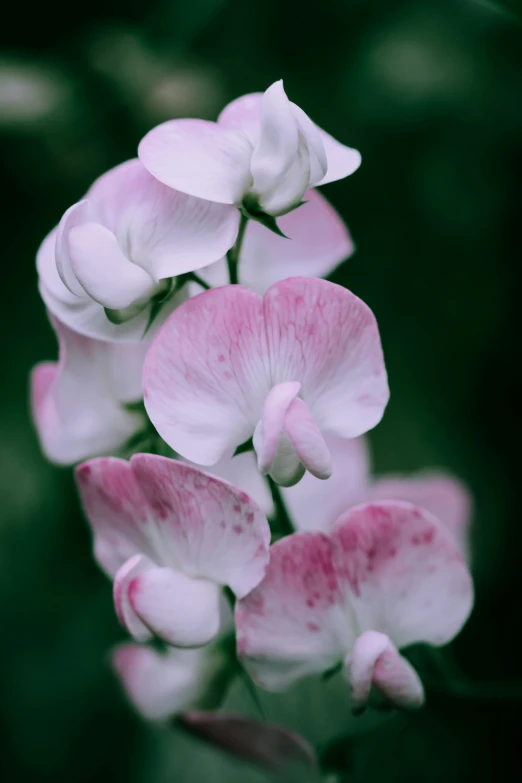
{"type": "Point", "coordinates": [375, 660]}
{"type": "Point", "coordinates": [103, 271]}
{"type": "Point", "coordinates": [135, 566]}
{"type": "Point", "coordinates": [306, 438]}
{"type": "Point", "coordinates": [182, 611]}
{"type": "Point", "coordinates": [270, 427]}
{"type": "Point", "coordinates": [341, 160]}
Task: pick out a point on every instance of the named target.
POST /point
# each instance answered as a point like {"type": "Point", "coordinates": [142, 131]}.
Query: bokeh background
{"type": "Point", "coordinates": [430, 92]}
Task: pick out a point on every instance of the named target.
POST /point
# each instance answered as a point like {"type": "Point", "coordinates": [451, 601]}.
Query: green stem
{"type": "Point", "coordinates": [235, 251]}
{"type": "Point", "coordinates": [284, 523]}
{"type": "Point", "coordinates": [197, 279]}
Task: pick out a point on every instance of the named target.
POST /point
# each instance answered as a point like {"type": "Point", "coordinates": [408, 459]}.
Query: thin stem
{"type": "Point", "coordinates": [235, 251]}
{"type": "Point", "coordinates": [197, 279]}
{"type": "Point", "coordinates": [284, 523]}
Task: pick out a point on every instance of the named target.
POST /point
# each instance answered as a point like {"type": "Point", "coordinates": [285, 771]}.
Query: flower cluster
{"type": "Point", "coordinates": [270, 385]}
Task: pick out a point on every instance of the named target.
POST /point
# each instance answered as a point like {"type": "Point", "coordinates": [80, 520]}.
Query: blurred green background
{"type": "Point", "coordinates": [430, 92]}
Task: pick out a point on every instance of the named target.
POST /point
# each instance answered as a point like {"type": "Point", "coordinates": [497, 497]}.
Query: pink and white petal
{"type": "Point", "coordinates": [244, 114]}
{"type": "Point", "coordinates": [129, 571]}
{"type": "Point", "coordinates": [342, 160]}
{"type": "Point", "coordinates": [322, 335]}
{"type": "Point", "coordinates": [375, 660]}
{"type": "Point", "coordinates": [206, 374]}
{"type": "Point", "coordinates": [243, 473]}
{"type": "Point", "coordinates": [76, 409]}
{"type": "Point", "coordinates": [314, 143]}
{"type": "Point", "coordinates": [404, 571]}
{"type": "Point", "coordinates": [103, 271]}
{"type": "Point", "coordinates": [205, 526]}
{"type": "Point", "coordinates": [159, 685]}
{"type": "Point", "coordinates": [200, 158]}
{"type": "Point", "coordinates": [359, 665]}
{"type": "Point", "coordinates": [270, 427]}
{"type": "Point", "coordinates": [306, 438]}
{"type": "Point", "coordinates": [318, 241]}
{"type": "Point", "coordinates": [297, 621]}
{"type": "Point", "coordinates": [280, 162]}
{"type": "Point", "coordinates": [443, 495]}
{"type": "Point", "coordinates": [117, 510]}
{"type": "Point", "coordinates": [167, 232]}
{"type": "Point", "coordinates": [398, 681]}
{"type": "Point", "coordinates": [315, 504]}
{"type": "Point", "coordinates": [79, 213]}
{"type": "Point", "coordinates": [182, 611]}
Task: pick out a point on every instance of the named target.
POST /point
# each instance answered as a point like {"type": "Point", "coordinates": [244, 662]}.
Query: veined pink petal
{"type": "Point", "coordinates": [389, 567]}
{"type": "Point", "coordinates": [306, 438]}
{"type": "Point", "coordinates": [179, 517]}
{"type": "Point", "coordinates": [102, 270]}
{"type": "Point", "coordinates": [315, 504]}
{"type": "Point", "coordinates": [323, 336]}
{"type": "Point", "coordinates": [270, 426]}
{"type": "Point", "coordinates": [242, 471]}
{"type": "Point", "coordinates": [375, 660]}
{"type": "Point", "coordinates": [294, 623]}
{"type": "Point", "coordinates": [405, 573]}
{"type": "Point", "coordinates": [244, 114]}
{"type": "Point", "coordinates": [161, 685]}
{"type": "Point", "coordinates": [200, 158]}
{"type": "Point", "coordinates": [441, 494]}
{"type": "Point", "coordinates": [78, 402]}
{"type": "Point", "coordinates": [179, 609]}
{"type": "Point", "coordinates": [206, 375]}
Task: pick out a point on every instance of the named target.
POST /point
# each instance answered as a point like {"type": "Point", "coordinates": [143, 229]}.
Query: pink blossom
{"type": "Point", "coordinates": [171, 536]}
{"type": "Point", "coordinates": [116, 252]}
{"type": "Point", "coordinates": [262, 155]}
{"type": "Point", "coordinates": [388, 575]}
{"type": "Point", "coordinates": [79, 402]}
{"type": "Point", "coordinates": [285, 368]}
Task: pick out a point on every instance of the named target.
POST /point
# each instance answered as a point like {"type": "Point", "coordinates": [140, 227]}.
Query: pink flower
{"type": "Point", "coordinates": [115, 253]}
{"type": "Point", "coordinates": [171, 536]}
{"type": "Point", "coordinates": [318, 241]}
{"type": "Point", "coordinates": [78, 403]}
{"type": "Point", "coordinates": [388, 575]}
{"type": "Point", "coordinates": [229, 364]}
{"type": "Point", "coordinates": [315, 505]}
{"type": "Point", "coordinates": [262, 155]}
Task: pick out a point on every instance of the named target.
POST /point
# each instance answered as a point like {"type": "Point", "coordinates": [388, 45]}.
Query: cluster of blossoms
{"type": "Point", "coordinates": [270, 385]}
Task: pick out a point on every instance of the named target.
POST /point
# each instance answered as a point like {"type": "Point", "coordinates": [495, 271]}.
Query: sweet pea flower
{"type": "Point", "coordinates": [388, 575]}
{"type": "Point", "coordinates": [163, 684]}
{"type": "Point", "coordinates": [315, 505]}
{"type": "Point", "coordinates": [171, 537]}
{"type": "Point", "coordinates": [316, 241]}
{"type": "Point", "coordinates": [79, 403]}
{"type": "Point", "coordinates": [229, 364]}
{"type": "Point", "coordinates": [262, 155]}
{"type": "Point", "coordinates": [114, 256]}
